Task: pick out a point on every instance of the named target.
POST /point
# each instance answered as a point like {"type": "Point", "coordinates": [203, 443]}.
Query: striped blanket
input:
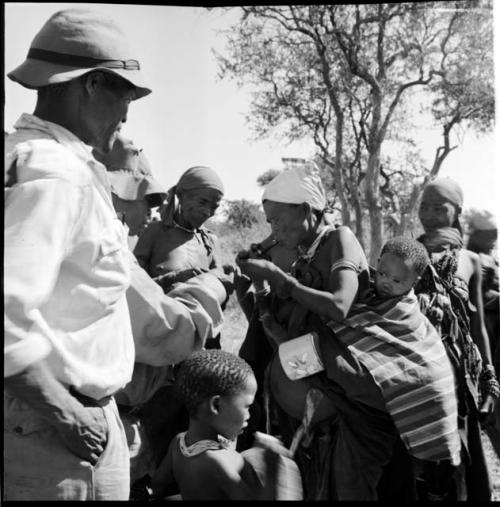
{"type": "Point", "coordinates": [407, 360]}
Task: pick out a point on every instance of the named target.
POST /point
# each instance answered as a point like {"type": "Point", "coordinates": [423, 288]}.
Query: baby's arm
{"type": "Point", "coordinates": [163, 478]}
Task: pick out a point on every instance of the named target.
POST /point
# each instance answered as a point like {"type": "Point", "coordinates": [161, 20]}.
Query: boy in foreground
{"type": "Point", "coordinates": [218, 389]}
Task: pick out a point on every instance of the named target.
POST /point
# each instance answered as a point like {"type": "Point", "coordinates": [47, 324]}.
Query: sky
{"type": "Point", "coordinates": [194, 118]}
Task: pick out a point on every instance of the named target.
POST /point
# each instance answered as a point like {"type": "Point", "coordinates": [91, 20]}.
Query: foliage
{"type": "Point", "coordinates": [344, 74]}
{"type": "Point", "coordinates": [267, 176]}
{"type": "Point", "coordinates": [242, 213]}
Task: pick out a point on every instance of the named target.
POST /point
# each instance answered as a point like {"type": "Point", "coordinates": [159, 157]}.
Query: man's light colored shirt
{"type": "Point", "coordinates": [67, 267]}
{"type": "Point", "coordinates": [66, 263]}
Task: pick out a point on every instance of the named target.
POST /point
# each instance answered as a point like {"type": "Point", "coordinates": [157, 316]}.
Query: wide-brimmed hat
{"type": "Point", "coordinates": [129, 173]}
{"type": "Point", "coordinates": [76, 41]}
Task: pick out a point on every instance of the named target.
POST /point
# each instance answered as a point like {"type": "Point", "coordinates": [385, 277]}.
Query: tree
{"type": "Point", "coordinates": [267, 176]}
{"type": "Point", "coordinates": [342, 74]}
{"type": "Point", "coordinates": [242, 213]}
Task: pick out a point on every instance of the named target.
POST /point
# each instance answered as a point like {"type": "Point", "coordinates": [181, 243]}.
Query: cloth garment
{"type": "Point", "coordinates": [448, 189]}
{"type": "Point", "coordinates": [442, 236]}
{"type": "Point", "coordinates": [168, 328]}
{"type": "Point", "coordinates": [444, 300]}
{"type": "Point", "coordinates": [481, 220]}
{"type": "Point", "coordinates": [405, 356]}
{"type": "Point", "coordinates": [192, 179]}
{"type": "Point", "coordinates": [129, 172]}
{"type": "Point", "coordinates": [295, 186]}
{"type": "Point", "coordinates": [38, 466]}
{"type": "Point", "coordinates": [66, 265]}
{"type": "Point", "coordinates": [188, 451]}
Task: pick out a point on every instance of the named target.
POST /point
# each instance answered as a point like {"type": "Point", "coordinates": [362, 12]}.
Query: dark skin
{"type": "Point", "coordinates": [298, 225]}
{"type": "Point", "coordinates": [94, 113]}
{"type": "Point", "coordinates": [435, 212]}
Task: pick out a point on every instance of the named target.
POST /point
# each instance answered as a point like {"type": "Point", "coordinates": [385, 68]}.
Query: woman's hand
{"type": "Point", "coordinates": [260, 269]}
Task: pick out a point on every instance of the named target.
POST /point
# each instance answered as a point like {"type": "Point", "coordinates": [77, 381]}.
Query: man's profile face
{"type": "Point", "coordinates": [106, 109]}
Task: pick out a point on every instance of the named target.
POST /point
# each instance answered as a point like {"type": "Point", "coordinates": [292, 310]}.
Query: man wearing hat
{"type": "Point", "coordinates": [133, 188]}
{"type": "Point", "coordinates": [78, 309]}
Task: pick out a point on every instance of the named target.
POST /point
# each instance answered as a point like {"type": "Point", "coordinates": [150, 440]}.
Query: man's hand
{"type": "Point", "coordinates": [84, 430]}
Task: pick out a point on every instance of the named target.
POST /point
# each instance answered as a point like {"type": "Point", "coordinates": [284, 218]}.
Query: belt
{"type": "Point", "coordinates": [87, 401]}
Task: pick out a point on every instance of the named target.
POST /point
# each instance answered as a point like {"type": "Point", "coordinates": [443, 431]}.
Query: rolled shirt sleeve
{"type": "Point", "coordinates": [169, 328]}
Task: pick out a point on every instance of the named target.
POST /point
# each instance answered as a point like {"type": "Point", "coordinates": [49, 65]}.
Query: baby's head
{"type": "Point", "coordinates": [401, 264]}
{"type": "Point", "coordinates": [219, 388]}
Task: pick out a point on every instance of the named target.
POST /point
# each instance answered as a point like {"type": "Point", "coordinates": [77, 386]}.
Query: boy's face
{"type": "Point", "coordinates": [234, 410]}
{"type": "Point", "coordinates": [395, 276]}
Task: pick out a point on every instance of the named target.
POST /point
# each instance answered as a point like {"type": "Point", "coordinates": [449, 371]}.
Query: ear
{"type": "Point", "coordinates": [92, 82]}
{"type": "Point", "coordinates": [214, 404]}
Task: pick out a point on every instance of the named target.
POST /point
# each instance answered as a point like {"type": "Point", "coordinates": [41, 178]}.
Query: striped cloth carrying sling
{"type": "Point", "coordinates": [405, 356]}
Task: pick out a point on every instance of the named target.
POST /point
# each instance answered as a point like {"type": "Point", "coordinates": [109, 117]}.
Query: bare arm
{"type": "Point", "coordinates": [335, 301]}
{"type": "Point", "coordinates": [144, 247]}
{"type": "Point", "coordinates": [478, 328]}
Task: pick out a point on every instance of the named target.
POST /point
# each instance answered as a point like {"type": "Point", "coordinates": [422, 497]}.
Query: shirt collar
{"type": "Point", "coordinates": [67, 138]}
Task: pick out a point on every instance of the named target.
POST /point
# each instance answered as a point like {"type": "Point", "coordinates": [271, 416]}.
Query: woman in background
{"type": "Point", "coordinates": [451, 297]}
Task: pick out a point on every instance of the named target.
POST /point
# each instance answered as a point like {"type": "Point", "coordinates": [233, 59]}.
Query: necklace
{"type": "Point", "coordinates": [182, 228]}
{"type": "Point", "coordinates": [189, 451]}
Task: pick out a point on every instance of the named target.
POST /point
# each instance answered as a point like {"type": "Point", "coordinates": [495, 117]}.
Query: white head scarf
{"type": "Point", "coordinates": [297, 185]}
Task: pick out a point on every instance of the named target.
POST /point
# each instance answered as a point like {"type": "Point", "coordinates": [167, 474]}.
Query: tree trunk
{"type": "Point", "coordinates": [374, 208]}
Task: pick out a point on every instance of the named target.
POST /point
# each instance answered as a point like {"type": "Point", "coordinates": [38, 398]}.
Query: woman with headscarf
{"type": "Point", "coordinates": [349, 435]}
{"type": "Point", "coordinates": [179, 247]}
{"type": "Point", "coordinates": [451, 298]}
{"type": "Point", "coordinates": [173, 250]}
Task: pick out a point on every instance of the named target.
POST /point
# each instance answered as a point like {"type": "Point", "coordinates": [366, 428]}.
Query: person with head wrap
{"type": "Point", "coordinates": [450, 295]}
{"type": "Point", "coordinates": [350, 436]}
{"type": "Point", "coordinates": [173, 251]}
{"type": "Point", "coordinates": [483, 233]}
{"type": "Point", "coordinates": [178, 246]}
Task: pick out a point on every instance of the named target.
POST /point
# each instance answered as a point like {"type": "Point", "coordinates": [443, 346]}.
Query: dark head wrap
{"type": "Point", "coordinates": [194, 178]}
{"type": "Point", "coordinates": [450, 191]}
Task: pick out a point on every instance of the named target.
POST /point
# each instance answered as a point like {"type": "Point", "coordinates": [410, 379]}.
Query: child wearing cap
{"type": "Point", "coordinates": [218, 389]}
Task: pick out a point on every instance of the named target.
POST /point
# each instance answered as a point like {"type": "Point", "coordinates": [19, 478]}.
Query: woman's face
{"type": "Point", "coordinates": [234, 410]}
{"type": "Point", "coordinates": [288, 222]}
{"type": "Point", "coordinates": [436, 212]}
{"type": "Point", "coordinates": [198, 205]}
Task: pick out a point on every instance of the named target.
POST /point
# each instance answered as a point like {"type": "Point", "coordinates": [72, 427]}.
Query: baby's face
{"type": "Point", "coordinates": [395, 276]}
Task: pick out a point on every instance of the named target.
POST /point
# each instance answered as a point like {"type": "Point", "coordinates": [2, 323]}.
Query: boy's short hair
{"type": "Point", "coordinates": [408, 249]}
{"type": "Point", "coordinates": [208, 373]}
